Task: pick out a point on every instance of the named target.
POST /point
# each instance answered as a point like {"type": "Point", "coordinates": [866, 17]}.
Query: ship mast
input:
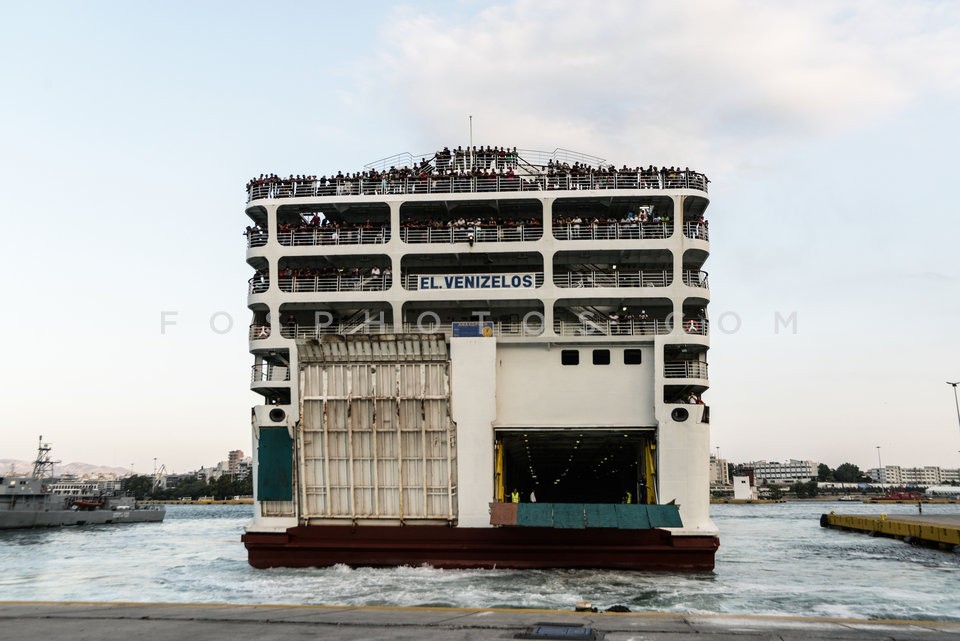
{"type": "Point", "coordinates": [43, 465]}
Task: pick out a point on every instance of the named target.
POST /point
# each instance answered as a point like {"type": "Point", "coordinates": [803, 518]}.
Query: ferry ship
{"type": "Point", "coordinates": [481, 357]}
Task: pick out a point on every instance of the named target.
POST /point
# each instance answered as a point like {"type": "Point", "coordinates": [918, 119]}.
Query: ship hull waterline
{"type": "Point", "coordinates": [465, 548]}
{"type": "Point", "coordinates": [16, 519]}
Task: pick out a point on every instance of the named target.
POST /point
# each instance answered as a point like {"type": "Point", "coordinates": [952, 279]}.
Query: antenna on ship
{"type": "Point", "coordinates": [43, 465]}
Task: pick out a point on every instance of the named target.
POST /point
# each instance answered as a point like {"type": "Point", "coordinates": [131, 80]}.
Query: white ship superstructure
{"type": "Point", "coordinates": [443, 336]}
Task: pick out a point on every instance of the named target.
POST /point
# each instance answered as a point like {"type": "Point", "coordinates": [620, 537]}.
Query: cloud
{"type": "Point", "coordinates": [670, 80]}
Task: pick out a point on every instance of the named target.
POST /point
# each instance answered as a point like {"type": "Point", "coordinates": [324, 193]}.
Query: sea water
{"type": "Point", "coordinates": [774, 559]}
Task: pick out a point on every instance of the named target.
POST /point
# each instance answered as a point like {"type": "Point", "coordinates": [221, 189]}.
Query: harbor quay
{"type": "Point", "coordinates": [216, 622]}
{"type": "Point", "coordinates": [941, 530]}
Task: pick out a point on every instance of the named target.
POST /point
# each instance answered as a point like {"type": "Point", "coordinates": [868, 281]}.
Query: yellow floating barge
{"type": "Point", "coordinates": [938, 530]}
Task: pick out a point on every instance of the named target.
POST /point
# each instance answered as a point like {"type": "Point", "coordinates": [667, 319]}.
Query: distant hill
{"type": "Point", "coordinates": [79, 469]}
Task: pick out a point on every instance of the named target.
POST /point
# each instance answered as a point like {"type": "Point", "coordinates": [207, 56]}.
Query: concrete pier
{"type": "Point", "coordinates": [176, 622]}
{"type": "Point", "coordinates": [935, 530]}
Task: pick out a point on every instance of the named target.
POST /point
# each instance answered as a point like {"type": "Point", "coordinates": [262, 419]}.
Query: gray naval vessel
{"type": "Point", "coordinates": [28, 502]}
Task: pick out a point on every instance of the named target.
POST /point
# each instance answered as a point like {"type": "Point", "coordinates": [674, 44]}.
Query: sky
{"type": "Point", "coordinates": [828, 131]}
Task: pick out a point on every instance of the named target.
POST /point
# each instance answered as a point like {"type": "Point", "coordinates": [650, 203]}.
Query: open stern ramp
{"type": "Point", "coordinates": [376, 441]}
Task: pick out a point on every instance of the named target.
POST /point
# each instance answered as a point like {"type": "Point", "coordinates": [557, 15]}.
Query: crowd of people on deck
{"type": "Point", "coordinates": [472, 158]}
{"type": "Point", "coordinates": [576, 225]}
{"type": "Point", "coordinates": [326, 278]}
{"type": "Point", "coordinates": [331, 278]}
{"type": "Point", "coordinates": [467, 223]}
{"type": "Point", "coordinates": [330, 229]}
{"type": "Point", "coordinates": [644, 216]}
{"type": "Point", "coordinates": [478, 162]}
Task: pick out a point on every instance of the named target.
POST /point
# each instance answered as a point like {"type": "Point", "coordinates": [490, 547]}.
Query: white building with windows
{"type": "Point", "coordinates": [792, 471]}
{"type": "Point", "coordinates": [928, 475]}
{"type": "Point", "coordinates": [719, 471]}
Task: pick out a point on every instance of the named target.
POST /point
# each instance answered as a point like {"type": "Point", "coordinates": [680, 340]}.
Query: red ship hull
{"type": "Point", "coordinates": [502, 547]}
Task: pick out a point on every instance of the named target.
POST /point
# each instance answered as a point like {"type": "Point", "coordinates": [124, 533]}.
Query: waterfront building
{"type": "Point", "coordinates": [440, 340]}
{"type": "Point", "coordinates": [926, 476]}
{"type": "Point", "coordinates": [244, 468]}
{"type": "Point", "coordinates": [234, 459]}
{"type": "Point", "coordinates": [719, 472]}
{"type": "Point", "coordinates": [792, 471]}
{"type": "Point", "coordinates": [743, 489]}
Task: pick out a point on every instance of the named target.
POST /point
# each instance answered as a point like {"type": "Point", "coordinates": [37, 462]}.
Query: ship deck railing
{"type": "Point", "coordinates": [613, 231]}
{"type": "Point", "coordinates": [258, 285]}
{"type": "Point", "coordinates": [696, 231]}
{"type": "Point", "coordinates": [685, 369]}
{"type": "Point", "coordinates": [600, 327]}
{"type": "Point", "coordinates": [434, 184]}
{"type": "Point", "coordinates": [696, 278]}
{"type": "Point", "coordinates": [333, 236]}
{"type": "Point", "coordinates": [625, 230]}
{"type": "Point", "coordinates": [267, 372]}
{"type": "Point", "coordinates": [476, 233]}
{"type": "Point", "coordinates": [627, 278]}
{"type": "Point", "coordinates": [571, 280]}
{"type": "Point", "coordinates": [256, 239]}
{"type": "Point", "coordinates": [427, 326]}
{"type": "Point", "coordinates": [334, 283]}
{"type": "Point", "coordinates": [608, 327]}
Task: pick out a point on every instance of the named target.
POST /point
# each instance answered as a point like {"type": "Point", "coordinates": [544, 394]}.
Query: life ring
{"type": "Point", "coordinates": [693, 327]}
